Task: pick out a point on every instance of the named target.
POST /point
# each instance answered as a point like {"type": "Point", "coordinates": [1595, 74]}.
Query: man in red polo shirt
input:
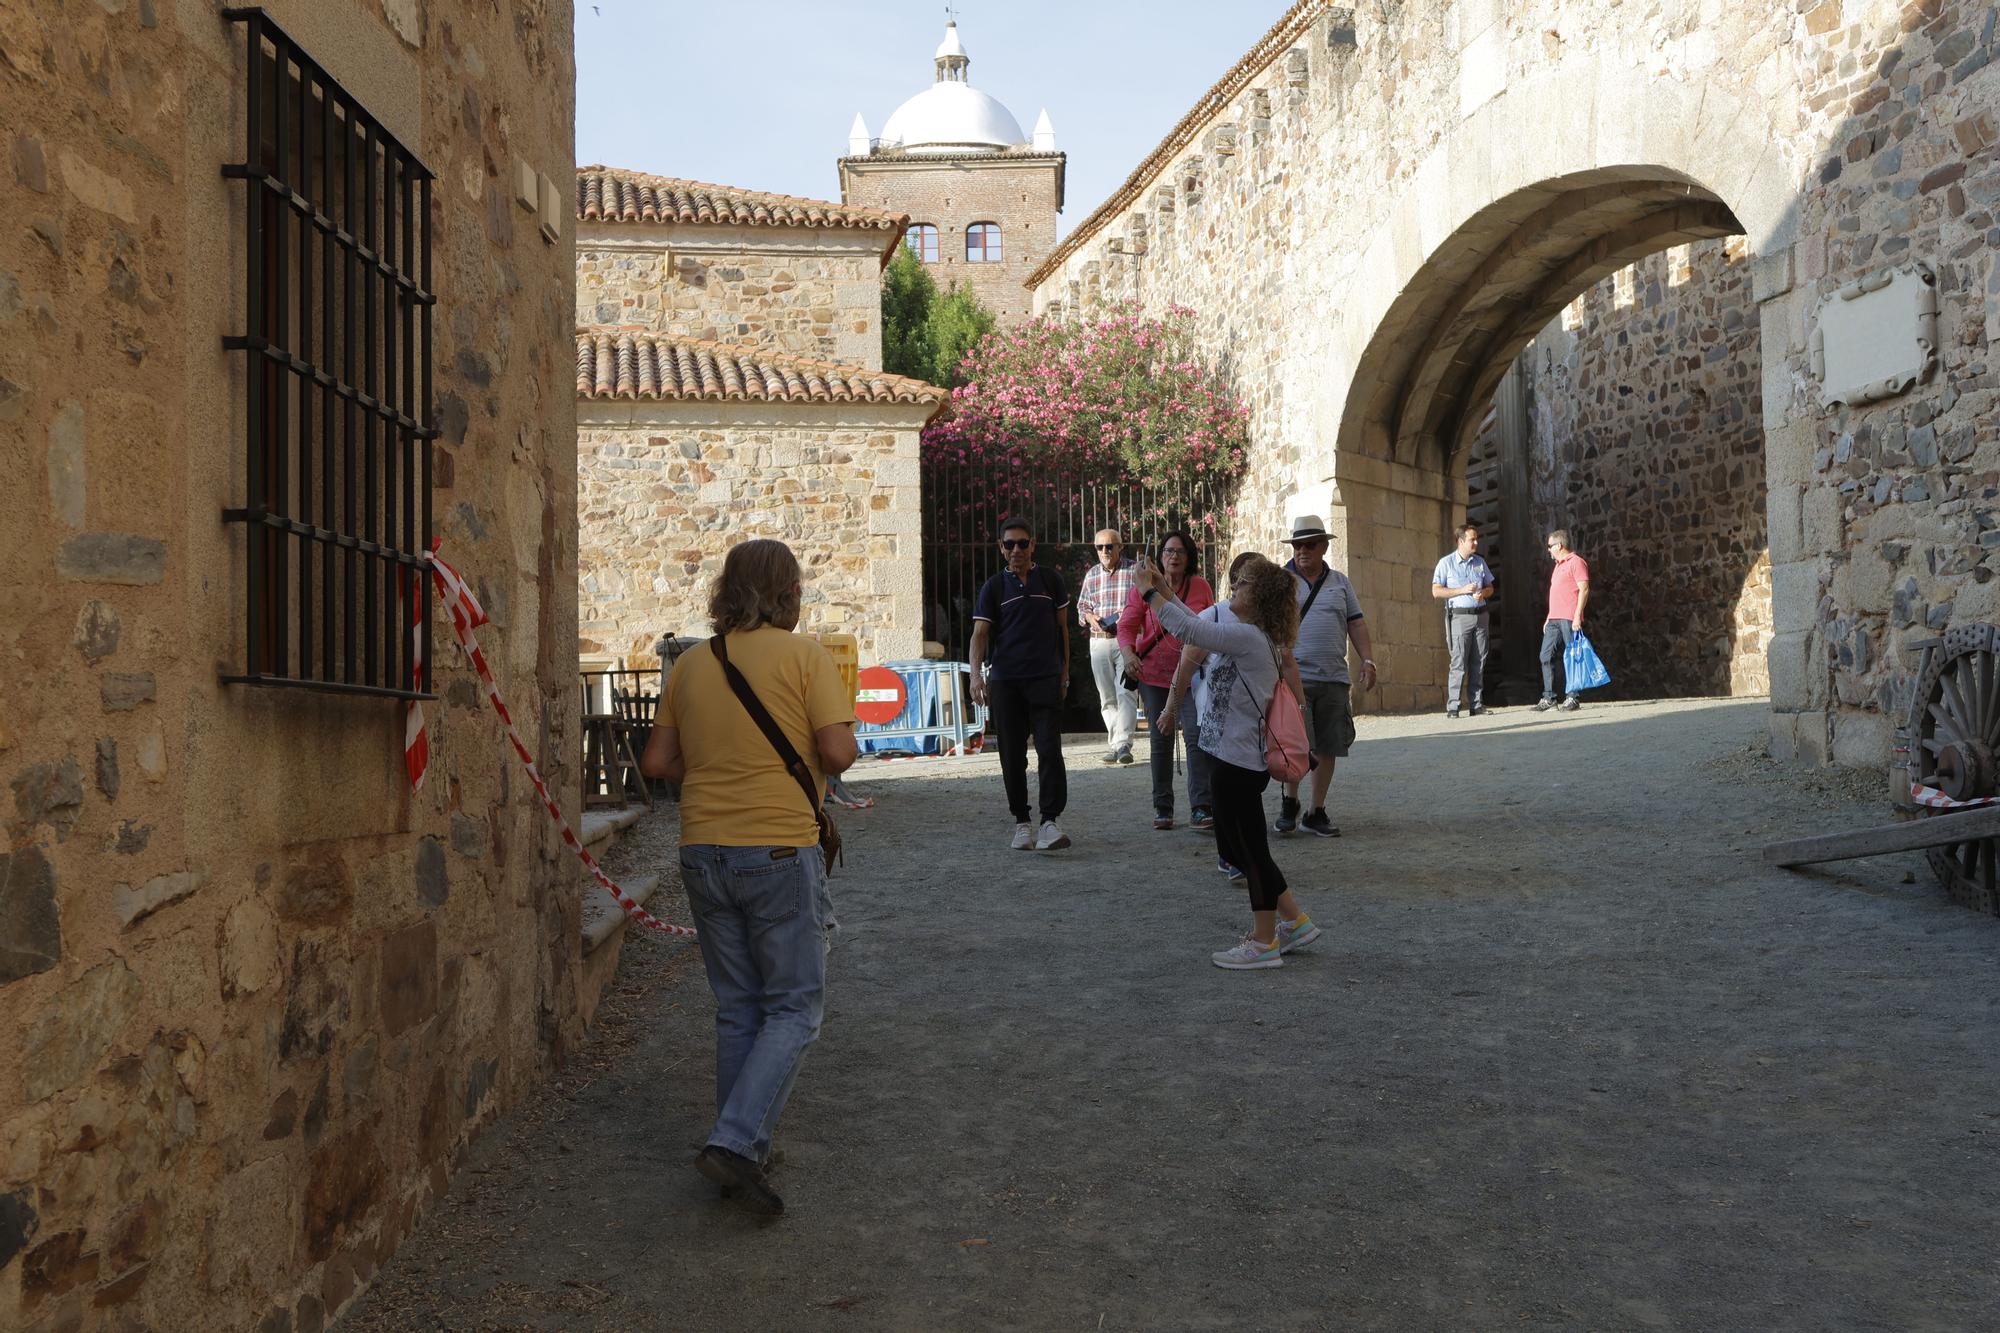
{"type": "Point", "coordinates": [1569, 591]}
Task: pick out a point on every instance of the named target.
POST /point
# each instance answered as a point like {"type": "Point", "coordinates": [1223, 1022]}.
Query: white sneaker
{"type": "Point", "coordinates": [1053, 839]}
{"type": "Point", "coordinates": [1024, 837]}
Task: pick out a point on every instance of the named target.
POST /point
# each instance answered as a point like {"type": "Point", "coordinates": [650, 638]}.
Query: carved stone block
{"type": "Point", "coordinates": [1875, 337]}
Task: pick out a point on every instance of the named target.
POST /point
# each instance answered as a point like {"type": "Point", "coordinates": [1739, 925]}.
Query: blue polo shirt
{"type": "Point", "coordinates": [1026, 624]}
{"type": "Point", "coordinates": [1456, 571]}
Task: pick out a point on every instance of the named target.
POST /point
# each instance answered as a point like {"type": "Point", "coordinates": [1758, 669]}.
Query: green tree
{"type": "Point", "coordinates": [926, 335]}
{"type": "Point", "coordinates": [956, 323]}
{"type": "Point", "coordinates": [907, 294]}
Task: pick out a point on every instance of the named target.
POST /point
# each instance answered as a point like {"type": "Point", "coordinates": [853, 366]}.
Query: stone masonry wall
{"type": "Point", "coordinates": [788, 290]}
{"type": "Point", "coordinates": [953, 195]}
{"type": "Point", "coordinates": [255, 996]}
{"type": "Point", "coordinates": [1304, 216]}
{"type": "Point", "coordinates": [666, 489]}
{"type": "Point", "coordinates": [1646, 442]}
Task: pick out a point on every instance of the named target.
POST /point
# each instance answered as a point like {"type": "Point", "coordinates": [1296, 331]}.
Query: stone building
{"type": "Point", "coordinates": [1380, 206]}
{"type": "Point", "coordinates": [982, 197]}
{"type": "Point", "coordinates": [256, 995]}
{"type": "Point", "coordinates": [729, 384]}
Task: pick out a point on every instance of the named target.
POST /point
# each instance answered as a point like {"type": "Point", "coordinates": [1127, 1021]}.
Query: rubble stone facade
{"type": "Point", "coordinates": [255, 995]}
{"type": "Point", "coordinates": [1378, 208]}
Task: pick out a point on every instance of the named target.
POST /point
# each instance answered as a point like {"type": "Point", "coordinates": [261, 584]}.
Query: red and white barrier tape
{"type": "Point", "coordinates": [1937, 800]}
{"type": "Point", "coordinates": [467, 615]}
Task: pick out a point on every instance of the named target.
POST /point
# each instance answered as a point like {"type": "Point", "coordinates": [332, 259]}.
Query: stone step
{"type": "Point", "coordinates": [603, 918]}
{"type": "Point", "coordinates": [601, 827]}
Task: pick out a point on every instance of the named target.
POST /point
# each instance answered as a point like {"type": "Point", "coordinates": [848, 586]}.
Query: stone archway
{"type": "Point", "coordinates": [1555, 183]}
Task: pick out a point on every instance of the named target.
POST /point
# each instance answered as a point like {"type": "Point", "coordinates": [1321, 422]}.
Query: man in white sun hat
{"type": "Point", "coordinates": [1329, 615]}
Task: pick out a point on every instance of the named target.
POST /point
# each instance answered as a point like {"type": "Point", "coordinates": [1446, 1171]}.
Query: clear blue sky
{"type": "Point", "coordinates": [760, 95]}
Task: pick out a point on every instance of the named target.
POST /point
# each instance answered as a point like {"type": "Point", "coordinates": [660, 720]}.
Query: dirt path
{"type": "Point", "coordinates": [1568, 1056]}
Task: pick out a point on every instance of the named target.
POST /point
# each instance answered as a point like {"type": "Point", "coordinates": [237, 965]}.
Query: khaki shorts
{"type": "Point", "coordinates": [1329, 718]}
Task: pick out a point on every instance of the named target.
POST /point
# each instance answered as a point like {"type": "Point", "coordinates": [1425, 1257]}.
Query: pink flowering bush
{"type": "Point", "coordinates": [1127, 394]}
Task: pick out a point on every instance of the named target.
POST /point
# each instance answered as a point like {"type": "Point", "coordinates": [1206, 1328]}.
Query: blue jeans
{"type": "Point", "coordinates": [1555, 642]}
{"type": "Point", "coordinates": [763, 913]}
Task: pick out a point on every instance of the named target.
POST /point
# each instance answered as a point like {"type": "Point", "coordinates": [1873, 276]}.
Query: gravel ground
{"type": "Point", "coordinates": [1569, 1056]}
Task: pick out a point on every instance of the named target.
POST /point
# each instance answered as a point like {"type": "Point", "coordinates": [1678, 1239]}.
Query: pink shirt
{"type": "Point", "coordinates": [1569, 576]}
{"type": "Point", "coordinates": [1140, 629]}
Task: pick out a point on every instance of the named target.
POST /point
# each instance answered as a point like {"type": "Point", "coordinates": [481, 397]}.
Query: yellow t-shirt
{"type": "Point", "coordinates": [737, 792]}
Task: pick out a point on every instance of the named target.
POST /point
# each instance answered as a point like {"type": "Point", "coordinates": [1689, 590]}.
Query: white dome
{"type": "Point", "coordinates": [948, 116]}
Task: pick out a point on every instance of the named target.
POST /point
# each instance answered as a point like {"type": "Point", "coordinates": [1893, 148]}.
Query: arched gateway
{"type": "Point", "coordinates": [1379, 207]}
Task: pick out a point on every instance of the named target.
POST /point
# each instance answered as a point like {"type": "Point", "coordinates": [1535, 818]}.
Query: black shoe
{"type": "Point", "coordinates": [1451, 712]}
{"type": "Point", "coordinates": [1288, 814]}
{"type": "Point", "coordinates": [1544, 705]}
{"type": "Point", "coordinates": [1571, 704]}
{"type": "Point", "coordinates": [1317, 822]}
{"type": "Point", "coordinates": [741, 1179]}
{"type": "Point", "coordinates": [1479, 710]}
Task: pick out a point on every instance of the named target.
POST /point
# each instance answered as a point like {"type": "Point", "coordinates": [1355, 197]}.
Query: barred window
{"type": "Point", "coordinates": [982, 243]}
{"type": "Point", "coordinates": [338, 421]}
{"type": "Point", "coordinates": [922, 240]}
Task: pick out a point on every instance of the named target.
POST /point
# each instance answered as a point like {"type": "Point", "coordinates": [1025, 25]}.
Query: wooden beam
{"type": "Point", "coordinates": [1913, 835]}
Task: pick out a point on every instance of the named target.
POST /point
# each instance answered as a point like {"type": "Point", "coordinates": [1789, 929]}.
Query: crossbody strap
{"type": "Point", "coordinates": [787, 752]}
{"type": "Point", "coordinates": [1313, 596]}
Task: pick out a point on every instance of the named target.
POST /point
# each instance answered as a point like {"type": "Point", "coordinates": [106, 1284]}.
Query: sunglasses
{"type": "Point", "coordinates": [1107, 546]}
{"type": "Point", "coordinates": [1016, 543]}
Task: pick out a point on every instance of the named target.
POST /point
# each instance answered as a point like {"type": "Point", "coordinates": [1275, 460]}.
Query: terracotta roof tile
{"type": "Point", "coordinates": [619, 363]}
{"type": "Point", "coordinates": [611, 194]}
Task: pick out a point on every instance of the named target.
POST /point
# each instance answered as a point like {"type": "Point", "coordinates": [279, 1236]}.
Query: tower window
{"type": "Point", "coordinates": [982, 243]}
{"type": "Point", "coordinates": [921, 238]}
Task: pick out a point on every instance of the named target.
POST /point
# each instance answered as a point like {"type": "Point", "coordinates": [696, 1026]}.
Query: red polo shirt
{"type": "Point", "coordinates": [1570, 575]}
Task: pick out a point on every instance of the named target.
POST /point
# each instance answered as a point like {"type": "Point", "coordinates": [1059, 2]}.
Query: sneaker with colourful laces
{"type": "Point", "coordinates": [1249, 955]}
{"type": "Point", "coordinates": [1296, 934]}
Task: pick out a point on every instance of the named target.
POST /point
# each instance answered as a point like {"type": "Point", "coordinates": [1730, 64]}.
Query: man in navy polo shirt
{"type": "Point", "coordinates": [1019, 631]}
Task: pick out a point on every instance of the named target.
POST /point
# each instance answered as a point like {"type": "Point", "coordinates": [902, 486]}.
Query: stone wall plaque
{"type": "Point", "coordinates": [1875, 337]}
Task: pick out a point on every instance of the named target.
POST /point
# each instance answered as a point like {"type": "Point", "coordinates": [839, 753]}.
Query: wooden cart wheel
{"type": "Point", "coordinates": [1954, 736]}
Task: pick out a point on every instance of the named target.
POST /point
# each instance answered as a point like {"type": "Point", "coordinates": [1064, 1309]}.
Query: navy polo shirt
{"type": "Point", "coordinates": [1026, 624]}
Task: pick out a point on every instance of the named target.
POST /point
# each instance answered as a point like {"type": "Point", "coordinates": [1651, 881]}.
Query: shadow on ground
{"type": "Point", "coordinates": [1568, 1056]}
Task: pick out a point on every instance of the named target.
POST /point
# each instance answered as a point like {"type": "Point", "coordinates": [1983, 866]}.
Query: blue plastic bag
{"type": "Point", "coordinates": [1582, 669]}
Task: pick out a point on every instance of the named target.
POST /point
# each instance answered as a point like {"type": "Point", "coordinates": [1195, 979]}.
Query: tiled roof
{"type": "Point", "coordinates": [611, 194]}
{"type": "Point", "coordinates": [616, 363]}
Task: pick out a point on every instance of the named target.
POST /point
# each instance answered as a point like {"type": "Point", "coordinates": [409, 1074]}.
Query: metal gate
{"type": "Point", "coordinates": [964, 504]}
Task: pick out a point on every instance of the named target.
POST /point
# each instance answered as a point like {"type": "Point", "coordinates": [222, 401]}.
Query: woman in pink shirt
{"type": "Point", "coordinates": [1150, 656]}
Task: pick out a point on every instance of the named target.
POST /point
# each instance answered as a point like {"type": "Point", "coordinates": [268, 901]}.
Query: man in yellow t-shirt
{"type": "Point", "coordinates": [749, 847]}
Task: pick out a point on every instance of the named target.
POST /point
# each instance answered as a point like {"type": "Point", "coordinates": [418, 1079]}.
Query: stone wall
{"type": "Point", "coordinates": [805, 292]}
{"type": "Point", "coordinates": [1646, 442]}
{"type": "Point", "coordinates": [254, 995]}
{"type": "Point", "coordinates": [667, 488]}
{"type": "Point", "coordinates": [1377, 209]}
{"type": "Point", "coordinates": [1022, 194]}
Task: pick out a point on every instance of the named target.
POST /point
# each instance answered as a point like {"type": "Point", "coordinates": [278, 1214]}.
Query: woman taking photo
{"type": "Point", "coordinates": [750, 855]}
{"type": "Point", "coordinates": [1242, 675]}
{"type": "Point", "coordinates": [1150, 653]}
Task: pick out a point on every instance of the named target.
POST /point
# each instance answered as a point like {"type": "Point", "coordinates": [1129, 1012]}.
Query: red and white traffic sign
{"type": "Point", "coordinates": [879, 695]}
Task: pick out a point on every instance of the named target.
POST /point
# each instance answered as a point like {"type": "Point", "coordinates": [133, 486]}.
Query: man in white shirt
{"type": "Point", "coordinates": [1464, 583]}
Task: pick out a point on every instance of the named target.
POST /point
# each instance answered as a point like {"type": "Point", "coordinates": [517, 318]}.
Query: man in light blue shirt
{"type": "Point", "coordinates": [1464, 583]}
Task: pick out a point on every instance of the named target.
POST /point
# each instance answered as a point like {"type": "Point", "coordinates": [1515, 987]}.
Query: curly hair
{"type": "Point", "coordinates": [1274, 606]}
{"type": "Point", "coordinates": [758, 585]}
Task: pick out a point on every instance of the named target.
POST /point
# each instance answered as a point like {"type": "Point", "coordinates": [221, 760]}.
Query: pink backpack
{"type": "Point", "coordinates": [1287, 755]}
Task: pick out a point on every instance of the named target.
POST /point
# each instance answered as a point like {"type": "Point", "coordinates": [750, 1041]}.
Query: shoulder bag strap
{"type": "Point", "coordinates": [1313, 596]}
{"type": "Point", "coordinates": [773, 733]}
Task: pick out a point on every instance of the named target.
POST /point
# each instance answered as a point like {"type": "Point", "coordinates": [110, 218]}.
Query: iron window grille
{"type": "Point", "coordinates": [338, 420]}
{"type": "Point", "coordinates": [982, 243]}
{"type": "Point", "coordinates": [923, 242]}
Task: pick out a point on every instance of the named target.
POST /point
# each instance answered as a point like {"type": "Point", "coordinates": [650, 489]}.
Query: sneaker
{"type": "Point", "coordinates": [1249, 955]}
{"type": "Point", "coordinates": [1451, 712]}
{"type": "Point", "coordinates": [1297, 934]}
{"type": "Point", "coordinates": [1024, 838]}
{"type": "Point", "coordinates": [1479, 710]}
{"type": "Point", "coordinates": [1228, 869]}
{"type": "Point", "coordinates": [1124, 754]}
{"type": "Point", "coordinates": [1163, 821]}
{"type": "Point", "coordinates": [741, 1179]}
{"type": "Point", "coordinates": [1288, 814]}
{"type": "Point", "coordinates": [1317, 822]}
{"type": "Point", "coordinates": [1202, 821]}
{"type": "Point", "coordinates": [1110, 756]}
{"type": "Point", "coordinates": [1544, 705]}
{"type": "Point", "coordinates": [1052, 839]}
{"type": "Point", "coordinates": [1571, 704]}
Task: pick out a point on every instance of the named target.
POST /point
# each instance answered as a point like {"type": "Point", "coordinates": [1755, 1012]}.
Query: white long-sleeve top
{"type": "Point", "coordinates": [1242, 675]}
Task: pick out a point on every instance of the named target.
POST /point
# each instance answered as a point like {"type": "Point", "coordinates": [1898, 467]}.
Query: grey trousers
{"type": "Point", "coordinates": [1467, 637]}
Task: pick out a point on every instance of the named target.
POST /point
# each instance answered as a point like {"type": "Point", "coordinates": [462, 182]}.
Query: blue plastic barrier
{"type": "Point", "coordinates": [937, 718]}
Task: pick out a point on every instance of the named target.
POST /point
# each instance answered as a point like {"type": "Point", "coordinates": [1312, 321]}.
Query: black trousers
{"type": "Point", "coordinates": [1020, 707]}
{"type": "Point", "coordinates": [1241, 836]}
